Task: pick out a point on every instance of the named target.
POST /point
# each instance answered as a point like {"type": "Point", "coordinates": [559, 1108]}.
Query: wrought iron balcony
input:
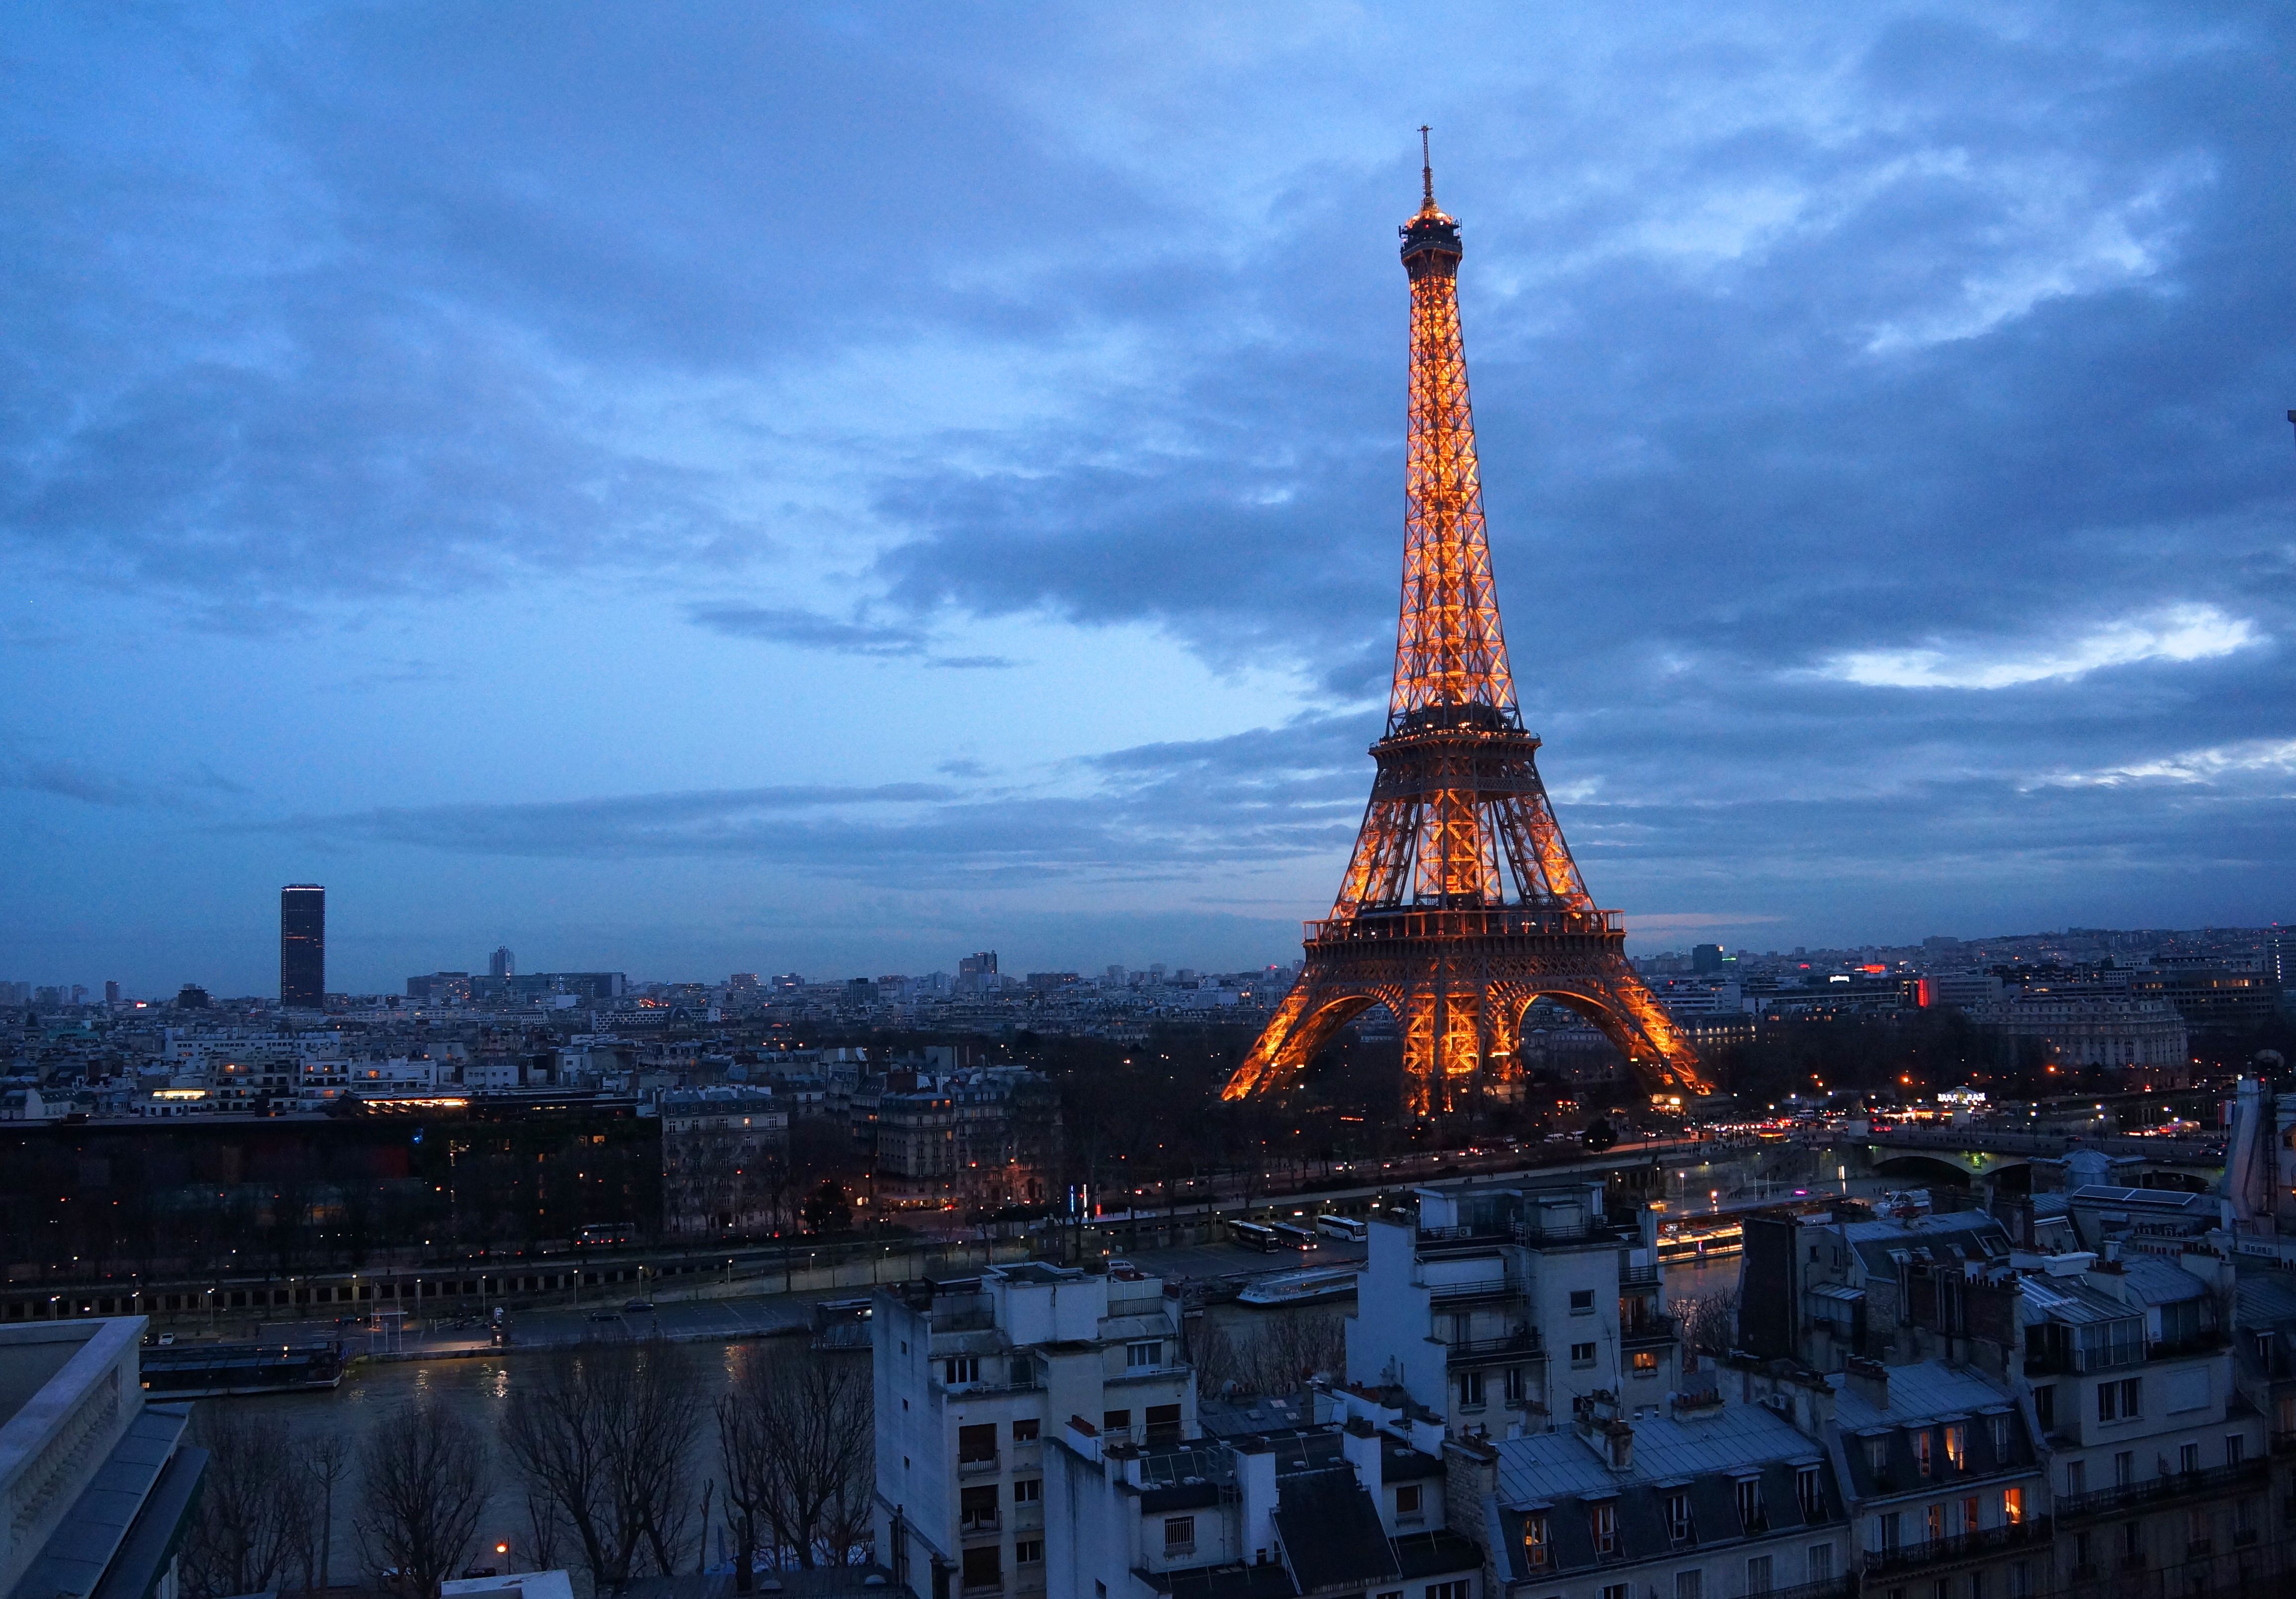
{"type": "Point", "coordinates": [1963, 1545]}
{"type": "Point", "coordinates": [2154, 1491]}
{"type": "Point", "coordinates": [1522, 1343]}
{"type": "Point", "coordinates": [1651, 1330]}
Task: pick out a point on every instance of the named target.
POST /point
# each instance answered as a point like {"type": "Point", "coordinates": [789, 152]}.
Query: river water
{"type": "Point", "coordinates": [478, 1389]}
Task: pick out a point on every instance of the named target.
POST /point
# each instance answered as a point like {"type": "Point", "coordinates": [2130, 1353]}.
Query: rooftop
{"type": "Point", "coordinates": [1561, 1463]}
{"type": "Point", "coordinates": [1926, 1389]}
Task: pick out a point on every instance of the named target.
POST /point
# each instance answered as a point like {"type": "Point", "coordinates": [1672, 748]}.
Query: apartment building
{"type": "Point", "coordinates": [1501, 1309]}
{"type": "Point", "coordinates": [1707, 1501]}
{"type": "Point", "coordinates": [971, 1377]}
{"type": "Point", "coordinates": [2161, 1467]}
{"type": "Point", "coordinates": [98, 1486]}
{"type": "Point", "coordinates": [723, 1160]}
{"type": "Point", "coordinates": [1351, 1504]}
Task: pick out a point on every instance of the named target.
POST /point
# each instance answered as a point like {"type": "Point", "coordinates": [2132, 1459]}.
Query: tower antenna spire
{"type": "Point", "coordinates": [1426, 170]}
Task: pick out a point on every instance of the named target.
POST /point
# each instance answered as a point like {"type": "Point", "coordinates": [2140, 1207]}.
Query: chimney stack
{"type": "Point", "coordinates": [1869, 1380]}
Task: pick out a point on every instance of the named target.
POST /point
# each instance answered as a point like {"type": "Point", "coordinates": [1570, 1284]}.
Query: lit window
{"type": "Point", "coordinates": [1956, 1445]}
{"type": "Point", "coordinates": [1645, 1363]}
{"type": "Point", "coordinates": [1534, 1542]}
{"type": "Point", "coordinates": [2013, 1506]}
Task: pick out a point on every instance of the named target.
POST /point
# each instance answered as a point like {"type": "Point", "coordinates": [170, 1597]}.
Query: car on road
{"type": "Point", "coordinates": [639, 1307]}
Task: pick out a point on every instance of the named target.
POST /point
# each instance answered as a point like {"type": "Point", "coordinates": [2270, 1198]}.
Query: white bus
{"type": "Point", "coordinates": [1353, 1228]}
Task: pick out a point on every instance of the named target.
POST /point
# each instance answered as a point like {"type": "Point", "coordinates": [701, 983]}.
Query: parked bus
{"type": "Point", "coordinates": [1291, 1236]}
{"type": "Point", "coordinates": [1355, 1229]}
{"type": "Point", "coordinates": [1252, 1236]}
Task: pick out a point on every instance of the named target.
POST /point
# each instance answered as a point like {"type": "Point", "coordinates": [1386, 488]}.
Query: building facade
{"type": "Point", "coordinates": [972, 1377]}
{"type": "Point", "coordinates": [1502, 1310]}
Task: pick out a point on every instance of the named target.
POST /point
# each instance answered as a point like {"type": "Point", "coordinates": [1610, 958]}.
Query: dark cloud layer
{"type": "Point", "coordinates": [1881, 414]}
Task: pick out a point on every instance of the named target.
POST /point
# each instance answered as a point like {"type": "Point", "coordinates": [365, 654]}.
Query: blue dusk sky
{"type": "Point", "coordinates": [690, 489]}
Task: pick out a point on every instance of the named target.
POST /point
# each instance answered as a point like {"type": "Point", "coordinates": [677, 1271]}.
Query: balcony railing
{"type": "Point", "coordinates": [1833, 1588]}
{"type": "Point", "coordinates": [1632, 1277]}
{"type": "Point", "coordinates": [1650, 1329]}
{"type": "Point", "coordinates": [976, 1465]}
{"type": "Point", "coordinates": [1470, 1288]}
{"type": "Point", "coordinates": [1962, 1546]}
{"type": "Point", "coordinates": [1388, 926]}
{"type": "Point", "coordinates": [2175, 1485]}
{"type": "Point", "coordinates": [1524, 1341]}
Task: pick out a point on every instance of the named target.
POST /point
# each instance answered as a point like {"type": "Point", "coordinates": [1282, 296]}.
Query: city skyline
{"type": "Point", "coordinates": [458, 487]}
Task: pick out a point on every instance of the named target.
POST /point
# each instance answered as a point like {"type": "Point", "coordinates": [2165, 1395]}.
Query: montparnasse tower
{"type": "Point", "coordinates": [1461, 904]}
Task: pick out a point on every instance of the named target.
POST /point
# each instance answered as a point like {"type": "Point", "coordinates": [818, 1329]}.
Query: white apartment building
{"type": "Point", "coordinates": [970, 1378]}
{"type": "Point", "coordinates": [1506, 1308]}
{"type": "Point", "coordinates": [1352, 1505]}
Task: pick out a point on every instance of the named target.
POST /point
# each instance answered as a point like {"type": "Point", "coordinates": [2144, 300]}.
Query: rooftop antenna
{"type": "Point", "coordinates": [1427, 177]}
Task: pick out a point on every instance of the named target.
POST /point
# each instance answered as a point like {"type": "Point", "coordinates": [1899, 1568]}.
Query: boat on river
{"type": "Point", "coordinates": [1311, 1287]}
{"type": "Point", "coordinates": [215, 1371]}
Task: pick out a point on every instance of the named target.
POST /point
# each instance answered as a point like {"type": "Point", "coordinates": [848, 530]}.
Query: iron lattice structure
{"type": "Point", "coordinates": [1462, 904]}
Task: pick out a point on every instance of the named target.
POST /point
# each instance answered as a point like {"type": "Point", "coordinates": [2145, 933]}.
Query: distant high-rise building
{"type": "Point", "coordinates": [982, 964]}
{"type": "Point", "coordinates": [303, 946]}
{"type": "Point", "coordinates": [111, 993]}
{"type": "Point", "coordinates": [1706, 957]}
{"type": "Point", "coordinates": [502, 962]}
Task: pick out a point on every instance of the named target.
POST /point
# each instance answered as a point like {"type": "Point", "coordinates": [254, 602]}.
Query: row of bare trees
{"type": "Point", "coordinates": [268, 1503]}
{"type": "Point", "coordinates": [599, 1447]}
{"type": "Point", "coordinates": [1276, 1357]}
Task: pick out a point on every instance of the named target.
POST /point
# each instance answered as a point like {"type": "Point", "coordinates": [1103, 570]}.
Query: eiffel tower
{"type": "Point", "coordinates": [1462, 903]}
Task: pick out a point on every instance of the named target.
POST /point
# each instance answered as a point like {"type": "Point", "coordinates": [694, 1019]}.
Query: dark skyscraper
{"type": "Point", "coordinates": [502, 962]}
{"type": "Point", "coordinates": [303, 946]}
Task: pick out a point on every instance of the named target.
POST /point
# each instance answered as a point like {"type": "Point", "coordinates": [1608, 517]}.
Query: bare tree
{"type": "Point", "coordinates": [600, 1437]}
{"type": "Point", "coordinates": [1708, 1322]}
{"type": "Point", "coordinates": [1276, 1357]}
{"type": "Point", "coordinates": [796, 1436]}
{"type": "Point", "coordinates": [244, 1538]}
{"type": "Point", "coordinates": [423, 1482]}
{"type": "Point", "coordinates": [317, 1468]}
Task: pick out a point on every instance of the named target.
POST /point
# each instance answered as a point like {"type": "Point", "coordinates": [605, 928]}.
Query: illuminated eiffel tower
{"type": "Point", "coordinates": [1462, 904]}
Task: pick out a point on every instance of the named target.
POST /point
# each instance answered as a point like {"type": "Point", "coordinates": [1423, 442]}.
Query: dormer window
{"type": "Point", "coordinates": [1809, 1495]}
{"type": "Point", "coordinates": [1877, 1454]}
{"type": "Point", "coordinates": [1923, 1463]}
{"type": "Point", "coordinates": [1604, 1524]}
{"type": "Point", "coordinates": [1677, 1517]}
{"type": "Point", "coordinates": [2000, 1438]}
{"type": "Point", "coordinates": [1750, 1503]}
{"type": "Point", "coordinates": [1534, 1542]}
{"type": "Point", "coordinates": [1956, 1445]}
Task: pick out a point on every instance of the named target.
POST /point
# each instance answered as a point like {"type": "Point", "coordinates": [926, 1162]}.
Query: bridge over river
{"type": "Point", "coordinates": [1960, 1154]}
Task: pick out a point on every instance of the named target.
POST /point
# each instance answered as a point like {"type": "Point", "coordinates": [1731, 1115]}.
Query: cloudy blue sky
{"type": "Point", "coordinates": [688, 489]}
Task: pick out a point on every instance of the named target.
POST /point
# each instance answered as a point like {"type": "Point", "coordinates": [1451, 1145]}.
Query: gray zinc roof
{"type": "Point", "coordinates": [1928, 1388]}
{"type": "Point", "coordinates": [1561, 1463]}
